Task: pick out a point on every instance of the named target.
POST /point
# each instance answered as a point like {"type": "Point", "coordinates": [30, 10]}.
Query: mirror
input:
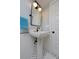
{"type": "Point", "coordinates": [35, 16]}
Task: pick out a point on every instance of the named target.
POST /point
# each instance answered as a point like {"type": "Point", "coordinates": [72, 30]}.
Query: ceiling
{"type": "Point", "coordinates": [43, 3]}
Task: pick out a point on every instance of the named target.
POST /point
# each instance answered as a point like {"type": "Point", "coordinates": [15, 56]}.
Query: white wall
{"type": "Point", "coordinates": [25, 7]}
{"type": "Point", "coordinates": [26, 46]}
{"type": "Point", "coordinates": [51, 18]}
{"type": "Point", "coordinates": [26, 42]}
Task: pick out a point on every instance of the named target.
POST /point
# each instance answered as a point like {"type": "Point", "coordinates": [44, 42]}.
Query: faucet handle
{"type": "Point", "coordinates": [53, 32]}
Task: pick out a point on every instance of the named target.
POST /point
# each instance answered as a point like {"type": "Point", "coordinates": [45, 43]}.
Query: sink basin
{"type": "Point", "coordinates": [39, 34]}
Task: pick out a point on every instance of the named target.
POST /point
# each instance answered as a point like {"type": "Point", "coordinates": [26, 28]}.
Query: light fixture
{"type": "Point", "coordinates": [39, 9]}
{"type": "Point", "coordinates": [35, 4]}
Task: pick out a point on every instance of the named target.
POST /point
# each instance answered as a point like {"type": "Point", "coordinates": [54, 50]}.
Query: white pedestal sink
{"type": "Point", "coordinates": [40, 35]}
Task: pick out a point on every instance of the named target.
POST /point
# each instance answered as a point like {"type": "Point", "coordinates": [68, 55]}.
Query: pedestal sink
{"type": "Point", "coordinates": [40, 35]}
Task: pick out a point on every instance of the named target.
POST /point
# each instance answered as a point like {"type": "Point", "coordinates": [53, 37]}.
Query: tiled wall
{"type": "Point", "coordinates": [26, 43]}
{"type": "Point", "coordinates": [26, 46]}
{"type": "Point", "coordinates": [51, 22]}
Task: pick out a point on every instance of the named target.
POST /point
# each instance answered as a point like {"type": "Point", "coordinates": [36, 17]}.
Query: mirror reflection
{"type": "Point", "coordinates": [36, 14]}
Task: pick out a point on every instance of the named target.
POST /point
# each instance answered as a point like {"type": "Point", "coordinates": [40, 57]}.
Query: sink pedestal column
{"type": "Point", "coordinates": [39, 48]}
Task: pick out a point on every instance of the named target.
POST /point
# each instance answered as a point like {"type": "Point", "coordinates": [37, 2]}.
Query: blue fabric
{"type": "Point", "coordinates": [23, 23]}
